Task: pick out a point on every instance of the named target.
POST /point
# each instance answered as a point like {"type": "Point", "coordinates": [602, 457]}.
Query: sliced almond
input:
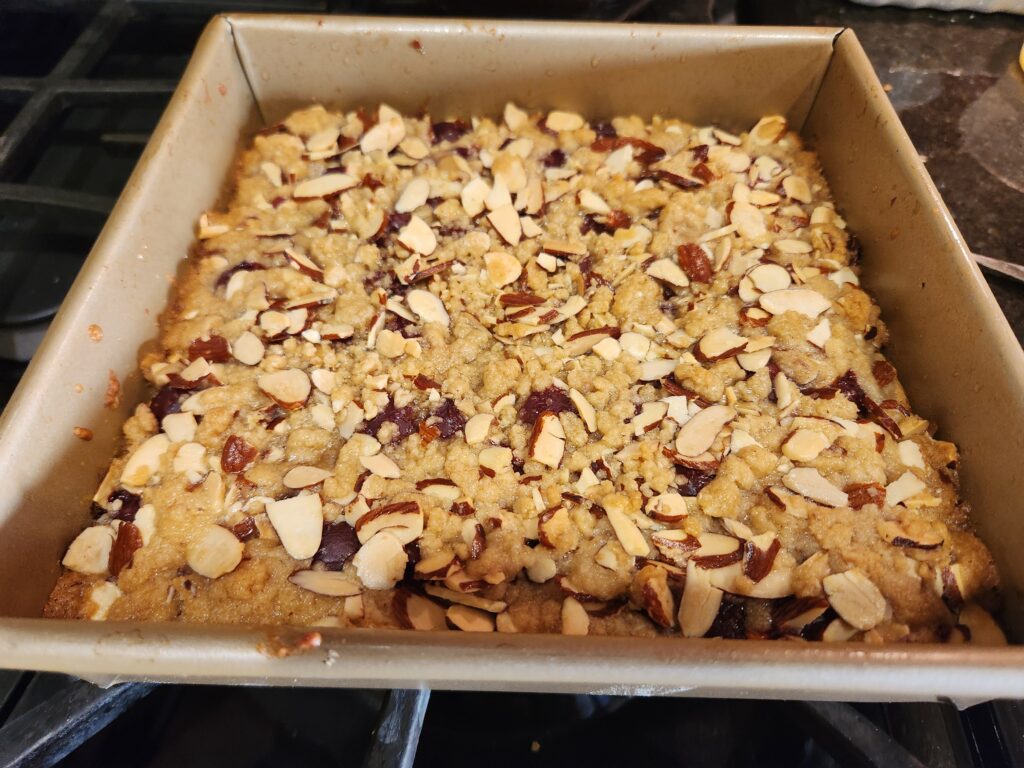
{"type": "Point", "coordinates": [558, 120]}
{"type": "Point", "coordinates": [214, 551]}
{"type": "Point", "coordinates": [803, 301]}
{"type": "Point", "coordinates": [515, 118]}
{"type": "Point", "coordinates": [414, 147]}
{"type": "Point", "coordinates": [699, 605]}
{"type": "Point", "coordinates": [419, 612]}
{"type": "Point", "coordinates": [506, 222]}
{"type": "Point", "coordinates": [797, 188]}
{"type": "Point", "coordinates": [470, 619]}
{"type": "Point", "coordinates": [145, 463]}
{"type": "Point", "coordinates": [404, 520]}
{"type": "Point", "coordinates": [502, 268]}
{"type": "Point", "coordinates": [464, 598]}
{"type": "Point", "coordinates": [477, 427]}
{"type": "Point", "coordinates": [473, 196]}
{"type": "Point", "coordinates": [496, 459]}
{"type": "Point", "coordinates": [384, 136]}
{"type": "Point", "coordinates": [417, 236]}
{"type": "Point", "coordinates": [669, 271]}
{"type": "Point", "coordinates": [584, 341]}
{"type": "Point", "coordinates": [440, 488]}
{"type": "Point", "coordinates": [719, 344]}
{"type": "Point", "coordinates": [584, 409]}
{"type": "Point", "coordinates": [541, 569]}
{"type": "Point", "coordinates": [381, 466]}
{"type": "Point", "coordinates": [324, 186]}
{"type": "Point", "coordinates": [413, 196]}
{"type": "Point", "coordinates": [902, 488]}
{"type": "Point", "coordinates": [667, 508]}
{"type": "Point", "coordinates": [102, 597]}
{"type": "Point", "coordinates": [437, 566]}
{"type": "Point", "coordinates": [179, 427]}
{"type": "Point", "coordinates": [770, 277]}
{"type": "Point", "coordinates": [289, 388]}
{"type": "Point", "coordinates": [304, 477]}
{"type": "Point", "coordinates": [626, 531]}
{"type": "Point", "coordinates": [820, 334]}
{"type": "Point", "coordinates": [808, 482]}
{"type": "Point", "coordinates": [298, 522]}
{"type": "Point", "coordinates": [89, 553]}
{"type": "Point", "coordinates": [698, 434]}
{"type": "Point", "coordinates": [591, 202]}
{"type": "Point", "coordinates": [805, 445]}
{"type": "Point", "coordinates": [754, 361]}
{"type": "Point", "coordinates": [575, 620]}
{"type": "Point", "coordinates": [380, 562]}
{"type": "Point", "coordinates": [322, 379]}
{"type": "Point", "coordinates": [273, 173]}
{"type": "Point", "coordinates": [652, 370]}
{"type": "Point", "coordinates": [768, 129]}
{"type": "Point", "coordinates": [248, 349]}
{"type": "Point", "coordinates": [855, 598]}
{"type": "Point", "coordinates": [329, 583]}
{"type": "Point", "coordinates": [748, 220]}
{"type": "Point", "coordinates": [547, 442]}
{"type": "Point", "coordinates": [650, 416]}
{"type": "Point", "coordinates": [635, 345]}
{"type": "Point", "coordinates": [428, 307]}
{"type": "Point", "coordinates": [908, 451]}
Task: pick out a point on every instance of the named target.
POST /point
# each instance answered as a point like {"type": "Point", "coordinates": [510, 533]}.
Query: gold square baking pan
{"type": "Point", "coordinates": [958, 358]}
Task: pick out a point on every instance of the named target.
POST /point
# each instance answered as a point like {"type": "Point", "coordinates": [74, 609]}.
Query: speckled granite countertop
{"type": "Point", "coordinates": [958, 89]}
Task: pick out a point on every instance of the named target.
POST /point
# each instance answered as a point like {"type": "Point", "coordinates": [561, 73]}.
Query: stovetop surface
{"type": "Point", "coordinates": [75, 116]}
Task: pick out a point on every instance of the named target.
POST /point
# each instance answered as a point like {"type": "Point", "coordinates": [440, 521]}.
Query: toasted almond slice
{"type": "Point", "coordinates": [652, 370]}
{"type": "Point", "coordinates": [473, 196]}
{"type": "Point", "coordinates": [102, 597]}
{"type": "Point", "coordinates": [214, 551]}
{"type": "Point", "coordinates": [618, 161]}
{"type": "Point", "coordinates": [273, 173]}
{"type": "Point", "coordinates": [298, 522]}
{"type": "Point", "coordinates": [465, 598]}
{"type": "Point", "coordinates": [428, 307]}
{"type": "Point", "coordinates": [380, 562]}
{"type": "Point", "coordinates": [324, 186]}
{"type": "Point", "coordinates": [470, 619]}
{"type": "Point", "coordinates": [803, 301]}
{"type": "Point", "coordinates": [421, 613]}
{"type": "Point", "coordinates": [547, 442]}
{"type": "Point", "coordinates": [720, 343]}
{"type": "Point", "coordinates": [658, 601]}
{"type": "Point", "coordinates": [584, 409]}
{"type": "Point", "coordinates": [413, 196]}
{"type": "Point", "coordinates": [502, 268]}
{"type": "Point", "coordinates": [496, 459]}
{"type": "Point", "coordinates": [667, 508]}
{"type": "Point", "coordinates": [584, 341]}
{"type": "Point", "coordinates": [591, 202]}
{"type": "Point", "coordinates": [414, 147]}
{"type": "Point", "coordinates": [506, 222]}
{"type": "Point", "coordinates": [477, 427]}
{"type": "Point", "coordinates": [329, 583]}
{"type": "Point", "coordinates": [699, 605]}
{"type": "Point", "coordinates": [404, 520]}
{"type": "Point", "coordinates": [635, 344]}
{"type": "Point", "coordinates": [179, 427]}
{"type": "Point", "coordinates": [855, 598]}
{"type": "Point", "coordinates": [384, 136]}
{"type": "Point", "coordinates": [575, 620]}
{"type": "Point", "coordinates": [902, 488]}
{"type": "Point", "coordinates": [820, 334]}
{"type": "Point", "coordinates": [626, 531]}
{"type": "Point", "coordinates": [304, 476]}
{"type": "Point", "coordinates": [770, 277]}
{"type": "Point", "coordinates": [248, 349]}
{"type": "Point", "coordinates": [797, 188]}
{"type": "Point", "coordinates": [145, 462]}
{"type": "Point", "coordinates": [698, 434]}
{"type": "Point", "coordinates": [808, 482]}
{"type": "Point", "coordinates": [805, 445]}
{"type": "Point", "coordinates": [650, 416]}
{"type": "Point", "coordinates": [748, 220]}
{"type": "Point", "coordinates": [436, 566]}
{"type": "Point", "coordinates": [324, 140]}
{"type": "Point", "coordinates": [417, 236]}
{"type": "Point", "coordinates": [678, 408]}
{"type": "Point", "coordinates": [909, 453]}
{"type": "Point", "coordinates": [381, 466]}
{"type": "Point", "coordinates": [790, 246]}
{"type": "Point", "coordinates": [754, 361]}
{"type": "Point", "coordinates": [498, 196]}
{"type": "Point", "coordinates": [323, 380]}
{"type": "Point", "coordinates": [768, 129]}
{"type": "Point", "coordinates": [289, 388]}
{"type": "Point", "coordinates": [208, 230]}
{"type": "Point", "coordinates": [89, 553]}
{"type": "Point", "coordinates": [558, 120]}
{"type": "Point", "coordinates": [515, 118]}
{"type": "Point", "coordinates": [669, 271]}
{"type": "Point", "coordinates": [541, 569]}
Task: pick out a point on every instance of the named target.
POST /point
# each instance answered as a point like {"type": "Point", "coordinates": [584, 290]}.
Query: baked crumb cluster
{"type": "Point", "coordinates": [534, 375]}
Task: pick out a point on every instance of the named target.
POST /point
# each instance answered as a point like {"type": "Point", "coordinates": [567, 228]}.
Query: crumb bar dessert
{"type": "Point", "coordinates": [530, 375]}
